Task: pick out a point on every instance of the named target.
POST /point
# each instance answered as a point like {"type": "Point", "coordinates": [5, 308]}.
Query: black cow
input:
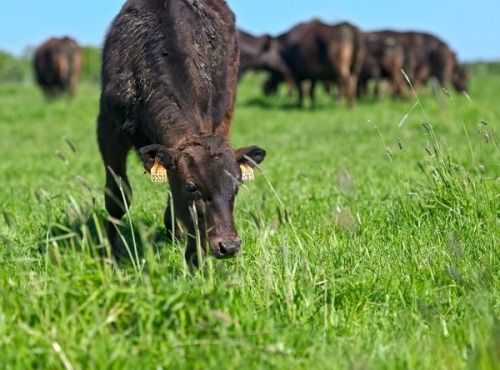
{"type": "Point", "coordinates": [259, 53]}
{"type": "Point", "coordinates": [428, 57]}
{"type": "Point", "coordinates": [58, 63]}
{"type": "Point", "coordinates": [319, 52]}
{"type": "Point", "coordinates": [385, 58]}
{"type": "Point", "coordinates": [168, 90]}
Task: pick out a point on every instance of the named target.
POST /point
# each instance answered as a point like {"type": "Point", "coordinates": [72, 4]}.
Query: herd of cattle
{"type": "Point", "coordinates": [344, 55]}
{"type": "Point", "coordinates": [339, 54]}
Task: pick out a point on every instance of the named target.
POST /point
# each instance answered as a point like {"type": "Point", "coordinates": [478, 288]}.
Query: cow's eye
{"type": "Point", "coordinates": [191, 188]}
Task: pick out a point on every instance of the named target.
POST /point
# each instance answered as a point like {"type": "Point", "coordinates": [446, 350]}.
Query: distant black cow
{"type": "Point", "coordinates": [385, 58]}
{"type": "Point", "coordinates": [168, 91]}
{"type": "Point", "coordinates": [259, 53]}
{"type": "Point", "coordinates": [428, 57]}
{"type": "Point", "coordinates": [318, 52]}
{"type": "Point", "coordinates": [58, 63]}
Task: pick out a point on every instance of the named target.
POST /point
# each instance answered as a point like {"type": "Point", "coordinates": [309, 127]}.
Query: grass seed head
{"type": "Point", "coordinates": [82, 181]}
{"type": "Point", "coordinates": [486, 136]}
{"type": "Point", "coordinates": [467, 96]}
{"type": "Point", "coordinates": [406, 77]}
{"type": "Point", "coordinates": [62, 157]}
{"type": "Point", "coordinates": [447, 93]}
{"type": "Point", "coordinates": [70, 144]}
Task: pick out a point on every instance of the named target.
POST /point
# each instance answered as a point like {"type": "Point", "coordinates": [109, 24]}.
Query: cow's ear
{"type": "Point", "coordinates": [150, 152]}
{"type": "Point", "coordinates": [250, 156]}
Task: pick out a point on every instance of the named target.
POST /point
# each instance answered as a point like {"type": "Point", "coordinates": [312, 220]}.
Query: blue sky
{"type": "Point", "coordinates": [472, 28]}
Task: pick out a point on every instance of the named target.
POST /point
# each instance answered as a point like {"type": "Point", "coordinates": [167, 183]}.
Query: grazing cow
{"type": "Point", "coordinates": [443, 64]}
{"type": "Point", "coordinates": [58, 63]}
{"type": "Point", "coordinates": [428, 57]}
{"type": "Point", "coordinates": [385, 58]}
{"type": "Point", "coordinates": [168, 90]}
{"type": "Point", "coordinates": [316, 51]}
{"type": "Point", "coordinates": [460, 77]}
{"type": "Point", "coordinates": [259, 53]}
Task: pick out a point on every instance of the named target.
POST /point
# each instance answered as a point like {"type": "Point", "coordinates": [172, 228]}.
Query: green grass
{"type": "Point", "coordinates": [351, 258]}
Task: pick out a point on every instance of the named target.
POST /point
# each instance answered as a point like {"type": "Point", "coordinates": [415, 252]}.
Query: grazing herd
{"type": "Point", "coordinates": [169, 78]}
{"type": "Point", "coordinates": [342, 55]}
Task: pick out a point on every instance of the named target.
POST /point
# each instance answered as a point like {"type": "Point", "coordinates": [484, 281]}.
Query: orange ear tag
{"type": "Point", "coordinates": [158, 172]}
{"type": "Point", "coordinates": [246, 173]}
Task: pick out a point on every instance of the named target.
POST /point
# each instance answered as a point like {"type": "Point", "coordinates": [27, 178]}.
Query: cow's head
{"type": "Point", "coordinates": [460, 78]}
{"type": "Point", "coordinates": [204, 175]}
{"type": "Point", "coordinates": [260, 53]}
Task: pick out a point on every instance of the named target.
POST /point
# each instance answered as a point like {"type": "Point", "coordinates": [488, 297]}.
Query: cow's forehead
{"type": "Point", "coordinates": [204, 155]}
{"type": "Point", "coordinates": [203, 165]}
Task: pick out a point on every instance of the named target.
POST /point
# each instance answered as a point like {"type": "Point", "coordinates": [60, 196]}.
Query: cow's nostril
{"type": "Point", "coordinates": [229, 249]}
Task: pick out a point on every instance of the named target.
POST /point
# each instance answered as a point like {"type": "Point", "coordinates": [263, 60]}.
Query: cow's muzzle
{"type": "Point", "coordinates": [225, 249]}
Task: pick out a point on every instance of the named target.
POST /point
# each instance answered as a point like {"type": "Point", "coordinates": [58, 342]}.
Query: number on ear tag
{"type": "Point", "coordinates": [158, 172]}
{"type": "Point", "coordinates": [246, 173]}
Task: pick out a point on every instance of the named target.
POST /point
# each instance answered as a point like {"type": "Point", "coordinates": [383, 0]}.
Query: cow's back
{"type": "Point", "coordinates": [171, 66]}
{"type": "Point", "coordinates": [314, 48]}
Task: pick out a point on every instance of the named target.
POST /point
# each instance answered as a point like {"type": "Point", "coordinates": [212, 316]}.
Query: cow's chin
{"type": "Point", "coordinates": [222, 248]}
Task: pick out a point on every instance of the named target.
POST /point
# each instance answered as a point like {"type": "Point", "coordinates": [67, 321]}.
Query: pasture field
{"type": "Point", "coordinates": [352, 258]}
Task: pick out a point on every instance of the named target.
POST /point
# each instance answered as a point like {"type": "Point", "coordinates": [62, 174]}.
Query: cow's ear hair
{"type": "Point", "coordinates": [250, 156]}
{"type": "Point", "coordinates": [150, 152]}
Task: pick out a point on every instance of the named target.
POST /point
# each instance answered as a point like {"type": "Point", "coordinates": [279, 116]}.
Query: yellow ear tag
{"type": "Point", "coordinates": [246, 173]}
{"type": "Point", "coordinates": [158, 172]}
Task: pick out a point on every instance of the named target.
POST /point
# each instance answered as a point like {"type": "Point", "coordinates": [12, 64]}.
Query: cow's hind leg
{"type": "Point", "coordinates": [300, 89]}
{"type": "Point", "coordinates": [114, 149]}
{"type": "Point", "coordinates": [311, 94]}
